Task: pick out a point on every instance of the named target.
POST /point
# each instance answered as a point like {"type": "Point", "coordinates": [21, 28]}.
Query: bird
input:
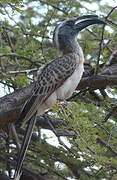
{"type": "Point", "coordinates": [58, 79]}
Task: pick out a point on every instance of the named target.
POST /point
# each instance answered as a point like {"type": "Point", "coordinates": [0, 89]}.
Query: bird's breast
{"type": "Point", "coordinates": [68, 87]}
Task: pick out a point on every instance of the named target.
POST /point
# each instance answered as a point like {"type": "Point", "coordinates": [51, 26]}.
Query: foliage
{"type": "Point", "coordinates": [26, 44]}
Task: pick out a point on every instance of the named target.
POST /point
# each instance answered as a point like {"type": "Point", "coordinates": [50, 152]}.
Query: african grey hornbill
{"type": "Point", "coordinates": [59, 78]}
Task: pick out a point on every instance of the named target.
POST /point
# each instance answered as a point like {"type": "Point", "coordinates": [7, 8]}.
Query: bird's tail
{"type": "Point", "coordinates": [24, 147]}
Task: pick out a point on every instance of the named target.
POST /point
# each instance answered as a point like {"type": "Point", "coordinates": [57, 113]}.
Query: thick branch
{"type": "Point", "coordinates": [10, 105]}
{"type": "Point", "coordinates": [97, 82]}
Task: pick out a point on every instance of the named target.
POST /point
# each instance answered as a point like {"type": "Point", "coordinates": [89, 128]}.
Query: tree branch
{"type": "Point", "coordinates": [97, 82]}
{"type": "Point", "coordinates": [103, 143]}
{"type": "Point", "coordinates": [21, 57]}
{"type": "Point", "coordinates": [10, 105]}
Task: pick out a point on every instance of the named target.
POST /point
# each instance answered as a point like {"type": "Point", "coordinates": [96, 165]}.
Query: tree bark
{"type": "Point", "coordinates": [10, 105]}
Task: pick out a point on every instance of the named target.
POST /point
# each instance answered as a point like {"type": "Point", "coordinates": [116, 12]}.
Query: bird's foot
{"type": "Point", "coordinates": [62, 101]}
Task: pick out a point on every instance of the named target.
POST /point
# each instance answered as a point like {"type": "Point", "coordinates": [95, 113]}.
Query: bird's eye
{"type": "Point", "coordinates": [70, 23]}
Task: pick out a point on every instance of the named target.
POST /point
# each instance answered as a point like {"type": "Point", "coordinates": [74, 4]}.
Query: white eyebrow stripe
{"type": "Point", "coordinates": [56, 33]}
{"type": "Point", "coordinates": [56, 38]}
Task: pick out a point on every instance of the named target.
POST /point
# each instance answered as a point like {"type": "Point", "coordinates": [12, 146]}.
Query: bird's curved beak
{"type": "Point", "coordinates": [87, 20]}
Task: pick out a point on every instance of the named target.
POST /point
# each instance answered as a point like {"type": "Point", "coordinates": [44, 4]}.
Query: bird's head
{"type": "Point", "coordinates": [65, 34]}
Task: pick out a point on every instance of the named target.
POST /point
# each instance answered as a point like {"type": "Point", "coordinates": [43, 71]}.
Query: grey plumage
{"type": "Point", "coordinates": [52, 76]}
{"type": "Point", "coordinates": [59, 78]}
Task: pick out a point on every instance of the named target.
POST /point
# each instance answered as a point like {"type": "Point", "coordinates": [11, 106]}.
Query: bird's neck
{"type": "Point", "coordinates": [71, 49]}
{"type": "Point", "coordinates": [76, 50]}
{"type": "Point", "coordinates": [70, 46]}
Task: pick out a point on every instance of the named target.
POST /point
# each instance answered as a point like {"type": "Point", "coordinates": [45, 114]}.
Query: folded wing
{"type": "Point", "coordinates": [52, 76]}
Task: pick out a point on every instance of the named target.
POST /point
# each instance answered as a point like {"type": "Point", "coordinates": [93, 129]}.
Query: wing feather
{"type": "Point", "coordinates": [52, 76]}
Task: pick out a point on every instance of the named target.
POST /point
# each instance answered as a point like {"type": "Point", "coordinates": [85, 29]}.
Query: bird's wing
{"type": "Point", "coordinates": [52, 76]}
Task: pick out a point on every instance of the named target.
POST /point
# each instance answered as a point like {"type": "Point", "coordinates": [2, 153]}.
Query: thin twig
{"type": "Point", "coordinates": [97, 52]}
{"type": "Point", "coordinates": [102, 142]}
{"type": "Point", "coordinates": [20, 56]}
{"type": "Point", "coordinates": [110, 12]}
{"type": "Point", "coordinates": [23, 71]}
{"type": "Point", "coordinates": [110, 114]}
{"type": "Point", "coordinates": [102, 38]}
{"type": "Point", "coordinates": [55, 7]}
{"type": "Point", "coordinates": [100, 125]}
{"type": "Point", "coordinates": [15, 136]}
{"type": "Point", "coordinates": [6, 84]}
{"type": "Point", "coordinates": [9, 41]}
{"type": "Point", "coordinates": [112, 22]}
{"type": "Point", "coordinates": [100, 49]}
